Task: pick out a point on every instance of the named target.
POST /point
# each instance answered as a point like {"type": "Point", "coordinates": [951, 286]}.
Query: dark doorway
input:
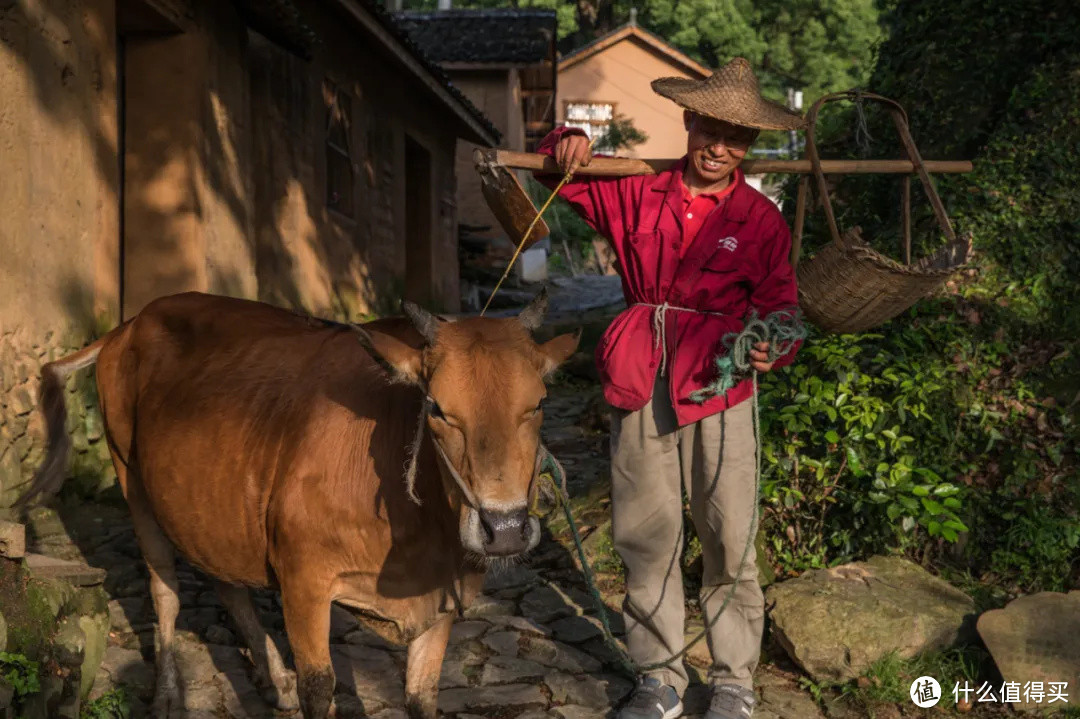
{"type": "Point", "coordinates": [138, 23]}
{"type": "Point", "coordinates": [418, 223]}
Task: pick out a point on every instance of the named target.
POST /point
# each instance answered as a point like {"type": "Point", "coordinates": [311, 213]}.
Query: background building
{"type": "Point", "coordinates": [505, 63]}
{"type": "Point", "coordinates": [611, 77]}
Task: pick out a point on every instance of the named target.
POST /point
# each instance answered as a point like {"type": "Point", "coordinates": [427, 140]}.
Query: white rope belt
{"type": "Point", "coordinates": [659, 324]}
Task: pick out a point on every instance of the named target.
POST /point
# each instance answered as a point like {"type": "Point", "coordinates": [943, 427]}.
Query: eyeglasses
{"type": "Point", "coordinates": [735, 138]}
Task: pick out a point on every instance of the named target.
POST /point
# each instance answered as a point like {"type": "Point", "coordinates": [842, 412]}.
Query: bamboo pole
{"type": "Point", "coordinates": [619, 166]}
{"type": "Point", "coordinates": [905, 217]}
{"type": "Point", "coordinates": [800, 218]}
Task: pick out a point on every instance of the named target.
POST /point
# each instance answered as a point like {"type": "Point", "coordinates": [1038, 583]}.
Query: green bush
{"type": "Point", "coordinates": [909, 438]}
{"type": "Point", "coordinates": [962, 412]}
{"type": "Point", "coordinates": [565, 224]}
{"type": "Point", "coordinates": [114, 704]}
{"type": "Point", "coordinates": [21, 674]}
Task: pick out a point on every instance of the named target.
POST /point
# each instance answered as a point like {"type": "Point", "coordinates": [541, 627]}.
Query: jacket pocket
{"type": "Point", "coordinates": [725, 258]}
{"type": "Point", "coordinates": [639, 247]}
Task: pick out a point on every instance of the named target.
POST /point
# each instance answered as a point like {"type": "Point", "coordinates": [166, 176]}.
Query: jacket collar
{"type": "Point", "coordinates": [738, 202]}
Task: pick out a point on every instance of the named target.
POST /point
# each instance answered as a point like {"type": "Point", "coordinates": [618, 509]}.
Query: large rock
{"type": "Point", "coordinates": [369, 673]}
{"type": "Point", "coordinates": [80, 643]}
{"type": "Point", "coordinates": [497, 697]}
{"type": "Point", "coordinates": [128, 668]}
{"type": "Point", "coordinates": [3, 633]}
{"type": "Point", "coordinates": [521, 624]}
{"type": "Point", "coordinates": [1033, 639]}
{"type": "Point", "coordinates": [484, 606]}
{"type": "Point", "coordinates": [76, 573]}
{"type": "Point", "coordinates": [587, 691]}
{"type": "Point", "coordinates": [507, 670]}
{"type": "Point", "coordinates": [575, 711]}
{"type": "Point", "coordinates": [12, 540]}
{"type": "Point", "coordinates": [834, 623]}
{"type": "Point", "coordinates": [503, 643]}
{"type": "Point", "coordinates": [576, 630]}
{"type": "Point", "coordinates": [546, 604]}
{"type": "Point", "coordinates": [557, 655]}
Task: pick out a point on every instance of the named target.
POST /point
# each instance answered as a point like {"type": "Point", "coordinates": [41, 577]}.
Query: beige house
{"type": "Point", "coordinates": [504, 61]}
{"type": "Point", "coordinates": [610, 77]}
{"type": "Point", "coordinates": [300, 152]}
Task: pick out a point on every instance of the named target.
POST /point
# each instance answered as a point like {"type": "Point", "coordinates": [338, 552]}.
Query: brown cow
{"type": "Point", "coordinates": [269, 448]}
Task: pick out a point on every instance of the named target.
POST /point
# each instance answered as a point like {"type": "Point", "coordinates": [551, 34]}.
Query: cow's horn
{"type": "Point", "coordinates": [533, 315]}
{"type": "Point", "coordinates": [423, 320]}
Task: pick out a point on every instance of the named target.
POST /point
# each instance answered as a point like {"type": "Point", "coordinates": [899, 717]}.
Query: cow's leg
{"type": "Point", "coordinates": [307, 622]}
{"type": "Point", "coordinates": [275, 681]}
{"type": "Point", "coordinates": [160, 558]}
{"type": "Point", "coordinates": [423, 668]}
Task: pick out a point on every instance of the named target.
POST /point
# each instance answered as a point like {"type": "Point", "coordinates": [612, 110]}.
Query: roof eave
{"type": "Point", "coordinates": [645, 37]}
{"type": "Point", "coordinates": [474, 131]}
{"type": "Point", "coordinates": [457, 65]}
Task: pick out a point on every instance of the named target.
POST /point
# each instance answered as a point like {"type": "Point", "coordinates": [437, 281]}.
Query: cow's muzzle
{"type": "Point", "coordinates": [502, 533]}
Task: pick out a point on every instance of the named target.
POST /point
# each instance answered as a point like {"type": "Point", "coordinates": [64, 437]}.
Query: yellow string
{"type": "Point", "coordinates": [528, 232]}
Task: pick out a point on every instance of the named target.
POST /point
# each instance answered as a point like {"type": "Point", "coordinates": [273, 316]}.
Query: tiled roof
{"type": "Point", "coordinates": [399, 32]}
{"type": "Point", "coordinates": [482, 36]}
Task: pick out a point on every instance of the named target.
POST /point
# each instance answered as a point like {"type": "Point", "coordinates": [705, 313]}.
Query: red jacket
{"type": "Point", "coordinates": [737, 261]}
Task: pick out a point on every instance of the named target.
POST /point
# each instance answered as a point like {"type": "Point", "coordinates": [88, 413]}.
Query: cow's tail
{"type": "Point", "coordinates": [52, 472]}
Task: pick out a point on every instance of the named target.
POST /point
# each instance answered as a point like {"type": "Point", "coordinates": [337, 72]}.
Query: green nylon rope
{"type": "Point", "coordinates": [782, 330]}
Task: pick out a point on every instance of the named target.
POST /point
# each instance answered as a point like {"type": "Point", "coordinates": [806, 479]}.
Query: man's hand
{"type": "Point", "coordinates": [572, 151]}
{"type": "Point", "coordinates": [759, 357]}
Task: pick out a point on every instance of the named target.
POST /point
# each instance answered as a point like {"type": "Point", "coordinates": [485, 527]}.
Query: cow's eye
{"type": "Point", "coordinates": [435, 410]}
{"type": "Point", "coordinates": [539, 406]}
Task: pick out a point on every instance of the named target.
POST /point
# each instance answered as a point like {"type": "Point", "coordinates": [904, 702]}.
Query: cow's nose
{"type": "Point", "coordinates": [506, 533]}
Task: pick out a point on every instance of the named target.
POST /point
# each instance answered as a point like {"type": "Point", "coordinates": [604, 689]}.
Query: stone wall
{"type": "Point", "coordinates": [59, 272]}
{"type": "Point", "coordinates": [22, 426]}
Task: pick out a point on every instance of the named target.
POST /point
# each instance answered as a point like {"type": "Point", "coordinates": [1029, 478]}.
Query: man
{"type": "Point", "coordinates": [697, 249]}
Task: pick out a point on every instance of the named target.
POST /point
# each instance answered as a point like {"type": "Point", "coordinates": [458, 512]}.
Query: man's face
{"type": "Point", "coordinates": [715, 147]}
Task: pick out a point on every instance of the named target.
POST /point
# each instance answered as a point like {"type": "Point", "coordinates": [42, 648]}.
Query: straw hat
{"type": "Point", "coordinates": [730, 94]}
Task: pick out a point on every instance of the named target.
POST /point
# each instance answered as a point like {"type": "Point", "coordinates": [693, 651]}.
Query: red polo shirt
{"type": "Point", "coordinates": [697, 209]}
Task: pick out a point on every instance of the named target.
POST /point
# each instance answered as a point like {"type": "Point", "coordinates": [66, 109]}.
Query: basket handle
{"type": "Point", "coordinates": [899, 117]}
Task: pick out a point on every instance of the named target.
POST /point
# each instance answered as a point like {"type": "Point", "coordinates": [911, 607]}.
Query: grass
{"type": "Point", "coordinates": [889, 679]}
{"type": "Point", "coordinates": [885, 686]}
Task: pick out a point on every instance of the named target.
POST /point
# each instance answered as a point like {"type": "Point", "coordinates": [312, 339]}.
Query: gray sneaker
{"type": "Point", "coordinates": [652, 700]}
{"type": "Point", "coordinates": [730, 701]}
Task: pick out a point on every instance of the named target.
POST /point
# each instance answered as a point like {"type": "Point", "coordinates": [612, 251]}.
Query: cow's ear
{"type": "Point", "coordinates": [401, 358]}
{"type": "Point", "coordinates": [558, 350]}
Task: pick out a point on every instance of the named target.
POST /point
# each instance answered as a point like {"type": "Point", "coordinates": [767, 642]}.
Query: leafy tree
{"type": "Point", "coordinates": [807, 44]}
{"type": "Point", "coordinates": [621, 134]}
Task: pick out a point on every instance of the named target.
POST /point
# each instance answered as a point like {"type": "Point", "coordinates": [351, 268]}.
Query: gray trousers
{"type": "Point", "coordinates": [653, 461]}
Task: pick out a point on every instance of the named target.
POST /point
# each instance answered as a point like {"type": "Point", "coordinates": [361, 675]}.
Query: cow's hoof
{"type": "Point", "coordinates": [168, 704]}
{"type": "Point", "coordinates": [168, 699]}
{"type": "Point", "coordinates": [282, 696]}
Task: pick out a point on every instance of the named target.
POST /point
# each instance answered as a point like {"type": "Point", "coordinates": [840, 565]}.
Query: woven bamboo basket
{"type": "Point", "coordinates": [848, 286]}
